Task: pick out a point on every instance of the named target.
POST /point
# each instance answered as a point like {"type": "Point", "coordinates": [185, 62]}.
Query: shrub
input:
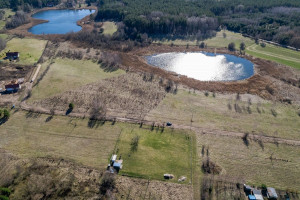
{"type": "Point", "coordinates": [19, 19]}
{"type": "Point", "coordinates": [242, 46]}
{"type": "Point", "coordinates": [107, 183]}
{"type": "Point", "coordinates": [206, 94]}
{"type": "Point", "coordinates": [202, 45]}
{"type": "Point", "coordinates": [231, 46]}
{"type": "Point", "coordinates": [71, 106]}
{"type": "Point", "coordinates": [134, 143]}
{"type": "Point", "coordinates": [3, 197]}
{"type": "Point", "coordinates": [263, 45]}
{"type": "Point", "coordinates": [6, 114]}
{"type": "Point", "coordinates": [274, 113]}
{"type": "Point", "coordinates": [5, 191]}
{"type": "Point", "coordinates": [263, 186]}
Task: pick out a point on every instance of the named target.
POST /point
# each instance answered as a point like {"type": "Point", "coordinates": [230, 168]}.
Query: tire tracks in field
{"type": "Point", "coordinates": [253, 49]}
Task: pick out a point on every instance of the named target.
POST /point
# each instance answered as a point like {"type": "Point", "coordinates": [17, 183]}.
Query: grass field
{"type": "Point", "coordinates": [8, 12]}
{"type": "Point", "coordinates": [252, 163]}
{"type": "Point", "coordinates": [29, 135]}
{"type": "Point", "coordinates": [213, 113]}
{"type": "Point", "coordinates": [157, 153]}
{"type": "Point", "coordinates": [3, 36]}
{"type": "Point", "coordinates": [30, 49]}
{"type": "Point", "coordinates": [270, 52]}
{"type": "Point", "coordinates": [66, 74]}
{"type": "Point", "coordinates": [109, 28]}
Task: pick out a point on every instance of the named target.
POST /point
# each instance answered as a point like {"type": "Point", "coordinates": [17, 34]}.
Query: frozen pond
{"type": "Point", "coordinates": [204, 66]}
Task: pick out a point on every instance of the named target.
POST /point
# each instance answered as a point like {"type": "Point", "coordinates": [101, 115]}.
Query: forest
{"type": "Point", "coordinates": [274, 20]}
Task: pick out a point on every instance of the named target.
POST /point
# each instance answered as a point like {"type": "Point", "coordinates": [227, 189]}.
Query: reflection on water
{"type": "Point", "coordinates": [204, 66]}
{"type": "Point", "coordinates": [60, 21]}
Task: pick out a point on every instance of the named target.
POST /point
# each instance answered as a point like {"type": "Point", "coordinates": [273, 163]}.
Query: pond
{"type": "Point", "coordinates": [59, 21]}
{"type": "Point", "coordinates": [204, 66]}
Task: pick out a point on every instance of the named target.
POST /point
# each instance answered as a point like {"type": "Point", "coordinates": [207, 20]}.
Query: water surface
{"type": "Point", "coordinates": [60, 21]}
{"type": "Point", "coordinates": [204, 66]}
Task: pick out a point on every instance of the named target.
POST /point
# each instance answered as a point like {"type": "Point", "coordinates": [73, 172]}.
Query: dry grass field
{"type": "Point", "coordinates": [109, 28]}
{"type": "Point", "coordinates": [256, 163]}
{"type": "Point", "coordinates": [224, 112]}
{"type": "Point", "coordinates": [66, 74]}
{"type": "Point", "coordinates": [127, 95]}
{"type": "Point", "coordinates": [30, 49]}
{"type": "Point", "coordinates": [33, 135]}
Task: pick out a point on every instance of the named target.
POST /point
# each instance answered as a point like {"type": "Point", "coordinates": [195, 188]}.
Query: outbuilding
{"type": "Point", "coordinates": [257, 194]}
{"type": "Point", "coordinates": [12, 87]}
{"type": "Point", "coordinates": [12, 55]}
{"type": "Point", "coordinates": [251, 197]}
{"type": "Point", "coordinates": [271, 193]}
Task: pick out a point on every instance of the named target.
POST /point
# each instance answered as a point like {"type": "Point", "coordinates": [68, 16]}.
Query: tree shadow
{"type": "Point", "coordinates": [95, 123]}
{"type": "Point", "coordinates": [3, 120]}
{"type": "Point", "coordinates": [245, 139]}
{"type": "Point", "coordinates": [69, 111]}
{"type": "Point", "coordinates": [48, 119]}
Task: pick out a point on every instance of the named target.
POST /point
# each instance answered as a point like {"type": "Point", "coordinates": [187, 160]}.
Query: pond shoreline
{"type": "Point", "coordinates": [23, 30]}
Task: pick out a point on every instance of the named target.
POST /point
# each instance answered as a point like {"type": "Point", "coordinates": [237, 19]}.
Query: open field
{"type": "Point", "coordinates": [30, 49]}
{"type": "Point", "coordinates": [252, 162]}
{"type": "Point", "coordinates": [66, 74]}
{"type": "Point", "coordinates": [109, 28]}
{"type": "Point", "coordinates": [270, 52]}
{"type": "Point", "coordinates": [225, 113]}
{"type": "Point", "coordinates": [3, 36]}
{"type": "Point", "coordinates": [157, 153]}
{"type": "Point", "coordinates": [30, 135]}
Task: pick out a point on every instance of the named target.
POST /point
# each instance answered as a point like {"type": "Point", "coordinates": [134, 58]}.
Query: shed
{"type": "Point", "coordinates": [12, 55]}
{"type": "Point", "coordinates": [247, 188]}
{"type": "Point", "coordinates": [117, 166]}
{"type": "Point", "coordinates": [12, 87]}
{"type": "Point", "coordinates": [113, 159]}
{"type": "Point", "coordinates": [257, 194]}
{"type": "Point", "coordinates": [251, 197]}
{"type": "Point", "coordinates": [271, 193]}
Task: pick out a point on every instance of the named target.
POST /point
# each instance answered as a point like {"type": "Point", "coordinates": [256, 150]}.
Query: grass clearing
{"type": "Point", "coordinates": [30, 49]}
{"type": "Point", "coordinates": [66, 74]}
{"type": "Point", "coordinates": [252, 163]}
{"type": "Point", "coordinates": [213, 113]}
{"type": "Point", "coordinates": [270, 52]}
{"type": "Point", "coordinates": [29, 135]}
{"type": "Point", "coordinates": [109, 28]}
{"type": "Point", "coordinates": [157, 153]}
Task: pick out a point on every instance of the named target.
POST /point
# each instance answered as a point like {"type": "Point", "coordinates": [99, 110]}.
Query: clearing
{"type": "Point", "coordinates": [109, 28]}
{"type": "Point", "coordinates": [66, 74]}
{"type": "Point", "coordinates": [250, 114]}
{"type": "Point", "coordinates": [270, 52]}
{"type": "Point", "coordinates": [30, 49]}
{"type": "Point", "coordinates": [158, 152]}
{"type": "Point", "coordinates": [256, 162]}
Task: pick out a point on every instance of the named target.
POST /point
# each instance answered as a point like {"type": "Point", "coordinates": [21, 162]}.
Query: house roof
{"type": "Point", "coordinates": [272, 192]}
{"type": "Point", "coordinates": [258, 197]}
{"type": "Point", "coordinates": [118, 165]}
{"type": "Point", "coordinates": [12, 54]}
{"type": "Point", "coordinates": [255, 191]}
{"type": "Point", "coordinates": [251, 197]}
{"type": "Point", "coordinates": [12, 86]}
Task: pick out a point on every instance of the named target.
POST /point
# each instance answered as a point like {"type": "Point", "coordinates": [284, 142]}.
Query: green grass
{"type": "Point", "coordinates": [30, 49]}
{"type": "Point", "coordinates": [278, 54]}
{"type": "Point", "coordinates": [158, 153]}
{"type": "Point", "coordinates": [66, 74]}
{"type": "Point", "coordinates": [3, 36]}
{"type": "Point", "coordinates": [252, 163]}
{"type": "Point", "coordinates": [109, 28]}
{"type": "Point", "coordinates": [29, 135]}
{"type": "Point", "coordinates": [270, 52]}
{"type": "Point", "coordinates": [213, 113]}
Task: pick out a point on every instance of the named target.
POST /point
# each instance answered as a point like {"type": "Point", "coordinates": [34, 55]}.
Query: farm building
{"type": "Point", "coordinates": [251, 197]}
{"type": "Point", "coordinates": [12, 87]}
{"type": "Point", "coordinates": [257, 194]}
{"type": "Point", "coordinates": [271, 193]}
{"type": "Point", "coordinates": [12, 55]}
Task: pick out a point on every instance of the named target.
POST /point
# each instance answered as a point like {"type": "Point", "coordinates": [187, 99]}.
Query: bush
{"type": "Point", "coordinates": [5, 191]}
{"type": "Point", "coordinates": [6, 114]}
{"type": "Point", "coordinates": [134, 143]}
{"type": "Point", "coordinates": [206, 94]}
{"type": "Point", "coordinates": [19, 19]}
{"type": "Point", "coordinates": [263, 186]}
{"type": "Point", "coordinates": [263, 45]}
{"type": "Point", "coordinates": [71, 106]}
{"type": "Point", "coordinates": [3, 197]}
{"type": "Point", "coordinates": [231, 46]}
{"type": "Point", "coordinates": [107, 183]}
{"type": "Point", "coordinates": [202, 45]}
{"type": "Point", "coordinates": [242, 46]}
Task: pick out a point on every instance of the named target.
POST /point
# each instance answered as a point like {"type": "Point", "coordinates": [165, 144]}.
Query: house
{"type": "Point", "coordinates": [12, 55]}
{"type": "Point", "coordinates": [113, 159]}
{"type": "Point", "coordinates": [257, 194]}
{"type": "Point", "coordinates": [118, 165]}
{"type": "Point", "coordinates": [271, 193]}
{"type": "Point", "coordinates": [12, 87]}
